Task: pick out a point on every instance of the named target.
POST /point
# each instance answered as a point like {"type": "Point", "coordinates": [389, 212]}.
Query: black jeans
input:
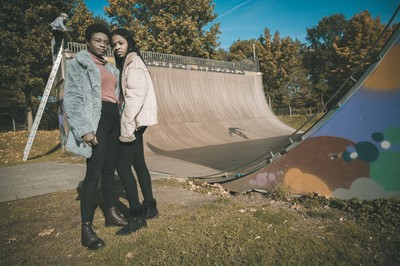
{"type": "Point", "coordinates": [132, 154]}
{"type": "Point", "coordinates": [102, 163]}
{"type": "Point", "coordinates": [59, 36]}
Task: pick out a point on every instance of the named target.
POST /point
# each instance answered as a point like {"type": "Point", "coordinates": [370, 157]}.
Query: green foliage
{"type": "Point", "coordinates": [26, 57]}
{"type": "Point", "coordinates": [80, 19]}
{"type": "Point", "coordinates": [337, 47]}
{"type": "Point", "coordinates": [173, 27]}
{"type": "Point", "coordinates": [221, 54]}
{"type": "Point", "coordinates": [25, 62]}
{"type": "Point", "coordinates": [284, 78]}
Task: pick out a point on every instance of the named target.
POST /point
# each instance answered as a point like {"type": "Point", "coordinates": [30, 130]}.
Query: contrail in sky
{"type": "Point", "coordinates": [233, 9]}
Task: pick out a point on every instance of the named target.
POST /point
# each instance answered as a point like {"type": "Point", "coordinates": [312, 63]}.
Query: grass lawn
{"type": "Point", "coordinates": [199, 224]}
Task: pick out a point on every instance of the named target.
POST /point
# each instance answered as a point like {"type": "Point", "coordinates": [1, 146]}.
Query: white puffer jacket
{"type": "Point", "coordinates": [140, 108]}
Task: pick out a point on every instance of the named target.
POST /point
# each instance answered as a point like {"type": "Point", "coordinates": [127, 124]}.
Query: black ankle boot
{"type": "Point", "coordinates": [150, 208]}
{"type": "Point", "coordinates": [136, 221]}
{"type": "Point", "coordinates": [89, 238]}
{"type": "Point", "coordinates": [113, 218]}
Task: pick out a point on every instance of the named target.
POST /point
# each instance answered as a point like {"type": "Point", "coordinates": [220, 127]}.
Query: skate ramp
{"type": "Point", "coordinates": [354, 151]}
{"type": "Point", "coordinates": [209, 121]}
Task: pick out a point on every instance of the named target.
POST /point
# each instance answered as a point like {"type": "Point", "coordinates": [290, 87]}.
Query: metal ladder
{"type": "Point", "coordinates": [43, 102]}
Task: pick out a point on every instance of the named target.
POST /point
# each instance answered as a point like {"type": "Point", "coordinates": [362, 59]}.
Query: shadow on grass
{"type": "Point", "coordinates": [119, 193]}
{"type": "Point", "coordinates": [53, 150]}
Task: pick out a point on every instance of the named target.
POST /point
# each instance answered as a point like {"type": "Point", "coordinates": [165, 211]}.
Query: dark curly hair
{"type": "Point", "coordinates": [95, 28]}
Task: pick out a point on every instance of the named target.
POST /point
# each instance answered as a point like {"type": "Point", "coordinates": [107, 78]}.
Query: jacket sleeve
{"type": "Point", "coordinates": [61, 23]}
{"type": "Point", "coordinates": [135, 94]}
{"type": "Point", "coordinates": [74, 101]}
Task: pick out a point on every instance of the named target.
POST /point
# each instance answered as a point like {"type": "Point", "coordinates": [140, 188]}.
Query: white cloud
{"type": "Point", "coordinates": [365, 189]}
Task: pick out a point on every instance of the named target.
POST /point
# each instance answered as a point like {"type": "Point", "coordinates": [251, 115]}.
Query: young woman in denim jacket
{"type": "Point", "coordinates": [91, 96]}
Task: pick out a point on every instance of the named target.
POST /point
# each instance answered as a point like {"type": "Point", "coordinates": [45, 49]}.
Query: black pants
{"type": "Point", "coordinates": [129, 154]}
{"type": "Point", "coordinates": [59, 36]}
{"type": "Point", "coordinates": [102, 163]}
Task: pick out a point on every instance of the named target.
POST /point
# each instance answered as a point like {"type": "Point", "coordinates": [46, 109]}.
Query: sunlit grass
{"type": "Point", "coordinates": [251, 229]}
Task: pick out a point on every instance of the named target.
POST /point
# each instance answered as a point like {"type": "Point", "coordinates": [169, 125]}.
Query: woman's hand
{"type": "Point", "coordinates": [90, 139]}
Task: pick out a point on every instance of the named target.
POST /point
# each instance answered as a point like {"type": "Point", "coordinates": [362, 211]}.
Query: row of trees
{"type": "Point", "coordinates": [308, 75]}
{"type": "Point", "coordinates": [295, 74]}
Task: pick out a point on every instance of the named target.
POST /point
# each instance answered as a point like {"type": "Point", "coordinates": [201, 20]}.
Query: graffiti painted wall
{"type": "Point", "coordinates": [356, 151]}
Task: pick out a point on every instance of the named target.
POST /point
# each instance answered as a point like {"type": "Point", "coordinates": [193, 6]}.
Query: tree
{"type": "Point", "coordinates": [101, 20]}
{"type": "Point", "coordinates": [26, 56]}
{"type": "Point", "coordinates": [320, 57]}
{"type": "Point", "coordinates": [166, 26]}
{"type": "Point", "coordinates": [80, 19]}
{"type": "Point", "coordinates": [221, 54]}
{"type": "Point", "coordinates": [360, 34]}
{"type": "Point", "coordinates": [284, 77]}
{"type": "Point", "coordinates": [241, 50]}
{"type": "Point", "coordinates": [336, 48]}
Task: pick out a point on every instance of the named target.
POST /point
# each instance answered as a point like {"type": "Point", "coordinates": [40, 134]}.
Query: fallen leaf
{"type": "Point", "coordinates": [295, 207]}
{"type": "Point", "coordinates": [46, 232]}
{"type": "Point", "coordinates": [12, 239]}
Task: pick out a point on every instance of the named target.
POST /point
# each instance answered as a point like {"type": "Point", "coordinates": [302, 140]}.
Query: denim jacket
{"type": "Point", "coordinates": [82, 100]}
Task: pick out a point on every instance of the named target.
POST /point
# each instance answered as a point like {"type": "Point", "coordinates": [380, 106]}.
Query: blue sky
{"type": "Point", "coordinates": [247, 19]}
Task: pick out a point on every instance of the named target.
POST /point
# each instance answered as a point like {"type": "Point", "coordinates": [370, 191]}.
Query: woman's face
{"type": "Point", "coordinates": [120, 45]}
{"type": "Point", "coordinates": [98, 44]}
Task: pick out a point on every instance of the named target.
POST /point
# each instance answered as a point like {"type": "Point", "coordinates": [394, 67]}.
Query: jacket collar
{"type": "Point", "coordinates": [129, 59]}
{"type": "Point", "coordinates": [84, 58]}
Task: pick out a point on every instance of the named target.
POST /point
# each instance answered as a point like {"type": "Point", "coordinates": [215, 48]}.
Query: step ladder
{"type": "Point", "coordinates": [43, 102]}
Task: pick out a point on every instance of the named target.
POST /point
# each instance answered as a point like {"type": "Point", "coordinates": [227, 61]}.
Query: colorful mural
{"type": "Point", "coordinates": [355, 153]}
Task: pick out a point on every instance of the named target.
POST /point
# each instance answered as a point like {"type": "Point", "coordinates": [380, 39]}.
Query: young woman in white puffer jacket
{"type": "Point", "coordinates": [139, 110]}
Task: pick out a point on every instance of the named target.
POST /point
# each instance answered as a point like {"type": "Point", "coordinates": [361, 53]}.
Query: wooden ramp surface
{"type": "Point", "coordinates": [209, 122]}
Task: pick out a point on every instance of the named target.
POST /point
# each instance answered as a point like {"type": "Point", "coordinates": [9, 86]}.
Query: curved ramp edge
{"type": "Point", "coordinates": [356, 151]}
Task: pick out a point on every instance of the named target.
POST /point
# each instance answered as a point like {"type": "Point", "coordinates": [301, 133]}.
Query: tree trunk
{"type": "Point", "coordinates": [29, 119]}
{"type": "Point", "coordinates": [28, 108]}
{"type": "Point", "coordinates": [269, 102]}
{"type": "Point", "coordinates": [322, 103]}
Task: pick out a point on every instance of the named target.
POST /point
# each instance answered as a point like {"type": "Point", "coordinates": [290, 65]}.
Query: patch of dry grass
{"type": "Point", "coordinates": [251, 229]}
{"type": "Point", "coordinates": [46, 146]}
{"type": "Point", "coordinates": [296, 121]}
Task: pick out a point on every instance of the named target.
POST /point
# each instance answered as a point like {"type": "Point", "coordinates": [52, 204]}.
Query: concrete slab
{"type": "Point", "coordinates": [33, 179]}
